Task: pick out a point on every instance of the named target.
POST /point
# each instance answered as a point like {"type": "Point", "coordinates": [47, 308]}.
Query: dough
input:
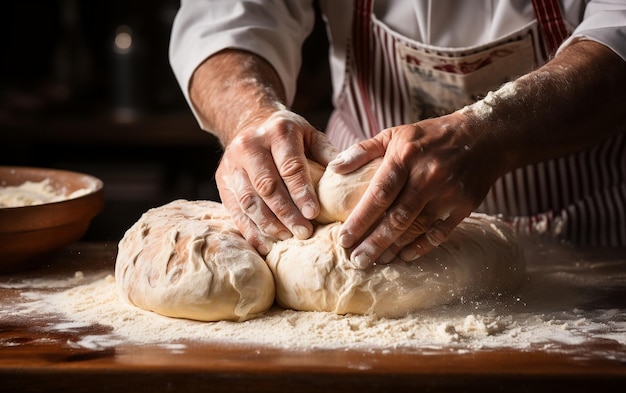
{"type": "Point", "coordinates": [481, 257]}
{"type": "Point", "coordinates": [187, 259]}
{"type": "Point", "coordinates": [339, 194]}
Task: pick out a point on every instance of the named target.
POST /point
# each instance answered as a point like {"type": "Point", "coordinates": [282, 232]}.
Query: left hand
{"type": "Point", "coordinates": [264, 181]}
{"type": "Point", "coordinates": [433, 174]}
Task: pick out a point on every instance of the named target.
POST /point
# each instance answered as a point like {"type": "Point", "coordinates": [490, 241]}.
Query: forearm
{"type": "Point", "coordinates": [232, 88]}
{"type": "Point", "coordinates": [574, 101]}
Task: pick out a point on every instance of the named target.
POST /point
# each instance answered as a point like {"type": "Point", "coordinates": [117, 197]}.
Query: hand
{"type": "Point", "coordinates": [434, 173]}
{"type": "Point", "coordinates": [264, 181]}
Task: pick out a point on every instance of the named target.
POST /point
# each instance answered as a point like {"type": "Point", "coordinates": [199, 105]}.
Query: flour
{"type": "Point", "coordinates": [34, 193]}
{"type": "Point", "coordinates": [449, 327]}
{"type": "Point", "coordinates": [483, 108]}
{"type": "Point", "coordinates": [98, 303]}
{"type": "Point", "coordinates": [562, 308]}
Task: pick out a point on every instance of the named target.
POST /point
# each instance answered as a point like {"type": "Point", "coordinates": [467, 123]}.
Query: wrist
{"type": "Point", "coordinates": [233, 88]}
{"type": "Point", "coordinates": [490, 139]}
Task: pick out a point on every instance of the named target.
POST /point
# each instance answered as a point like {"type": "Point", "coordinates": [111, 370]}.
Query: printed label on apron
{"type": "Point", "coordinates": [442, 80]}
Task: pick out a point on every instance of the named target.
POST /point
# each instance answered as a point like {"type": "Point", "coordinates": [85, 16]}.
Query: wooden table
{"type": "Point", "coordinates": [35, 359]}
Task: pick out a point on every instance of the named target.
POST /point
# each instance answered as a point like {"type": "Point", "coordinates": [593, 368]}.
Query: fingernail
{"type": "Point", "coordinates": [301, 232]}
{"type": "Point", "coordinates": [345, 240]}
{"type": "Point", "coordinates": [435, 234]}
{"type": "Point", "coordinates": [432, 236]}
{"type": "Point", "coordinates": [283, 235]}
{"type": "Point", "coordinates": [308, 211]}
{"type": "Point", "coordinates": [361, 261]}
{"type": "Point", "coordinates": [337, 161]}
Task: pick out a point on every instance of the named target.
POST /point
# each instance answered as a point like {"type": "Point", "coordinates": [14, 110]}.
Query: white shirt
{"type": "Point", "coordinates": [276, 29]}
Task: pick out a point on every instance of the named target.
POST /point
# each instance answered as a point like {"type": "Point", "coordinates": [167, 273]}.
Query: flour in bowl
{"type": "Point", "coordinates": [32, 193]}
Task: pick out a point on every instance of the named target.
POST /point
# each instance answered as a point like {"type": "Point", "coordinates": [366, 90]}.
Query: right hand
{"type": "Point", "coordinates": [264, 181]}
{"type": "Point", "coordinates": [432, 175]}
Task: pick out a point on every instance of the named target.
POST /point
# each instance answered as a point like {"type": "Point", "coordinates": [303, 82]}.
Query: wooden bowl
{"type": "Point", "coordinates": [29, 233]}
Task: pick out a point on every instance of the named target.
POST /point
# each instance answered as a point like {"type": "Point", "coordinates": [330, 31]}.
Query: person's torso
{"type": "Point", "coordinates": [398, 62]}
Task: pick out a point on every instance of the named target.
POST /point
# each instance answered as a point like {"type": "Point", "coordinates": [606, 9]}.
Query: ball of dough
{"type": "Point", "coordinates": [187, 259]}
{"type": "Point", "coordinates": [339, 194]}
{"type": "Point", "coordinates": [481, 257]}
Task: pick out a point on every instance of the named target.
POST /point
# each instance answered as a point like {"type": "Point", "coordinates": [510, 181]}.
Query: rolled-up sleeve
{"type": "Point", "coordinates": [272, 29]}
{"type": "Point", "coordinates": [604, 22]}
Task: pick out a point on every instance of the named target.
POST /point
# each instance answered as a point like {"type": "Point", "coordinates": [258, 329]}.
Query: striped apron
{"type": "Point", "coordinates": [580, 199]}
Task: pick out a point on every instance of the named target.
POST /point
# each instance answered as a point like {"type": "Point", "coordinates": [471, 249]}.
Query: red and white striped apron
{"type": "Point", "coordinates": [579, 198]}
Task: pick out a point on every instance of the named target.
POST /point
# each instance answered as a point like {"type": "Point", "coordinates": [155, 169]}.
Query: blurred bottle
{"type": "Point", "coordinates": [125, 73]}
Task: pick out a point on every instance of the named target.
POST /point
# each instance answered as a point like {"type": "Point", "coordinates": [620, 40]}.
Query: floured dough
{"type": "Point", "coordinates": [339, 194]}
{"type": "Point", "coordinates": [481, 257]}
{"type": "Point", "coordinates": [187, 259]}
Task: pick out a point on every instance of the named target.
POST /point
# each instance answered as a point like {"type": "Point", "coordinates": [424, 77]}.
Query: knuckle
{"type": "Point", "coordinates": [382, 194]}
{"type": "Point", "coordinates": [379, 241]}
{"type": "Point", "coordinates": [250, 204]}
{"type": "Point", "coordinates": [284, 209]}
{"type": "Point", "coordinates": [411, 150]}
{"type": "Point", "coordinates": [383, 237]}
{"type": "Point", "coordinates": [242, 141]}
{"type": "Point", "coordinates": [399, 218]}
{"type": "Point", "coordinates": [265, 185]}
{"type": "Point", "coordinates": [241, 222]}
{"type": "Point", "coordinates": [405, 239]}
{"type": "Point", "coordinates": [285, 126]}
{"type": "Point", "coordinates": [292, 167]}
{"type": "Point", "coordinates": [419, 226]}
{"type": "Point", "coordinates": [436, 235]}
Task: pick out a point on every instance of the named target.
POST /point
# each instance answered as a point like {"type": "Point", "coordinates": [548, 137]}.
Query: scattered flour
{"type": "Point", "coordinates": [565, 305]}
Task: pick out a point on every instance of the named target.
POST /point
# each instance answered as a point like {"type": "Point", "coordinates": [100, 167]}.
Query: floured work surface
{"type": "Point", "coordinates": [566, 326]}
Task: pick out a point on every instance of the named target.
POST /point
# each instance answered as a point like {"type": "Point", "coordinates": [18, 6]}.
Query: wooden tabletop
{"type": "Point", "coordinates": [34, 358]}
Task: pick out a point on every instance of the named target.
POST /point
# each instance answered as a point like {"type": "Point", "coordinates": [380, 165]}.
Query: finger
{"type": "Point", "coordinates": [395, 230]}
{"type": "Point", "coordinates": [389, 255]}
{"type": "Point", "coordinates": [278, 174]}
{"type": "Point", "coordinates": [293, 168]}
{"type": "Point", "coordinates": [437, 234]}
{"type": "Point", "coordinates": [421, 225]}
{"type": "Point", "coordinates": [270, 187]}
{"type": "Point", "coordinates": [290, 133]}
{"type": "Point", "coordinates": [261, 241]}
{"type": "Point", "coordinates": [349, 160]}
{"type": "Point", "coordinates": [357, 155]}
{"type": "Point", "coordinates": [409, 221]}
{"type": "Point", "coordinates": [384, 187]}
{"type": "Point", "coordinates": [254, 217]}
{"type": "Point", "coordinates": [387, 227]}
{"type": "Point", "coordinates": [320, 148]}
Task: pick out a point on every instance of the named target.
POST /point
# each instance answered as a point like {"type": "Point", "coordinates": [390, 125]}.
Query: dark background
{"type": "Point", "coordinates": [69, 100]}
